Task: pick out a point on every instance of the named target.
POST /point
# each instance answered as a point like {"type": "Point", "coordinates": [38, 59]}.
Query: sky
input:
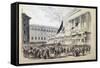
{"type": "Point", "coordinates": [46, 15]}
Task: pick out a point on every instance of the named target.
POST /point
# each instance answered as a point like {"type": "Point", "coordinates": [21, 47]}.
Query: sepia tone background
{"type": "Point", "coordinates": [91, 56]}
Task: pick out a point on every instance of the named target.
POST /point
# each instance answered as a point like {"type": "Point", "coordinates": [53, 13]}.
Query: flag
{"type": "Point", "coordinates": [61, 27]}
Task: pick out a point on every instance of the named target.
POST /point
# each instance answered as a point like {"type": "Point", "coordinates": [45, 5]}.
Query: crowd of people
{"type": "Point", "coordinates": [79, 50]}
{"type": "Point", "coordinates": [55, 51]}
{"type": "Point", "coordinates": [43, 51]}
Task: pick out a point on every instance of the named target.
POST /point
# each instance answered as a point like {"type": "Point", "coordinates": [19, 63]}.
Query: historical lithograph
{"type": "Point", "coordinates": [56, 33]}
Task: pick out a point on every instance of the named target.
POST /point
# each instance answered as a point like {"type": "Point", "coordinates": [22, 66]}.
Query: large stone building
{"type": "Point", "coordinates": [79, 23]}
{"type": "Point", "coordinates": [40, 33]}
{"type": "Point", "coordinates": [36, 33]}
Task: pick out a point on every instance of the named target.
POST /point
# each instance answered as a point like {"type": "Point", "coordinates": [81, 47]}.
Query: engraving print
{"type": "Point", "coordinates": [52, 34]}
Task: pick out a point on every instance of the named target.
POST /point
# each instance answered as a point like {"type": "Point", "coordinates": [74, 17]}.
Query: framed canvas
{"type": "Point", "coordinates": [52, 33]}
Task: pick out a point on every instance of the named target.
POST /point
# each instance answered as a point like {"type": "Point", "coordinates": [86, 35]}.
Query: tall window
{"type": "Point", "coordinates": [41, 38]}
{"type": "Point", "coordinates": [38, 38]}
{"type": "Point", "coordinates": [32, 38]}
{"type": "Point", "coordinates": [35, 38]}
{"type": "Point", "coordinates": [44, 38]}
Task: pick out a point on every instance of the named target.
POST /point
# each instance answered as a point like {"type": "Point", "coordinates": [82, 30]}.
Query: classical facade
{"type": "Point", "coordinates": [40, 33]}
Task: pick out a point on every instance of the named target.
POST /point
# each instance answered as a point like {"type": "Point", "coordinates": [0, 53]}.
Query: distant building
{"type": "Point", "coordinates": [25, 28]}
{"type": "Point", "coordinates": [40, 33]}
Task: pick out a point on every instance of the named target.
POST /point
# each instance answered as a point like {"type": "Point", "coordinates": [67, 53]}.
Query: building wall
{"type": "Point", "coordinates": [39, 33]}
{"type": "Point", "coordinates": [25, 27]}
{"type": "Point", "coordinates": [77, 33]}
{"type": "Point", "coordinates": [85, 17]}
{"type": "Point", "coordinates": [79, 13]}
